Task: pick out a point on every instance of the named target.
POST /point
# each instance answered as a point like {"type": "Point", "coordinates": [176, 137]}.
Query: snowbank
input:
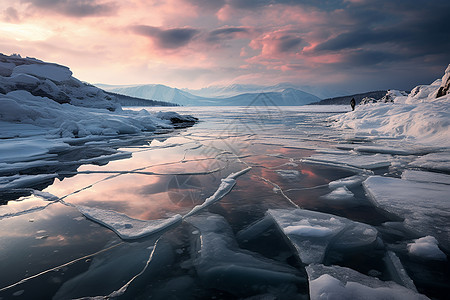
{"type": "Point", "coordinates": [422, 115]}
{"type": "Point", "coordinates": [45, 100]}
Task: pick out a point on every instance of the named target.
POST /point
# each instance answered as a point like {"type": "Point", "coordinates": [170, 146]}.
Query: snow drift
{"type": "Point", "coordinates": [423, 115]}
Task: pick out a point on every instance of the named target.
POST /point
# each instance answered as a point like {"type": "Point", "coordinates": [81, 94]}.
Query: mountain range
{"type": "Point", "coordinates": [233, 95]}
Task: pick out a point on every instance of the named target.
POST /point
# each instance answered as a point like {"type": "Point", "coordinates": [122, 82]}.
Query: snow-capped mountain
{"type": "Point", "coordinates": [234, 95]}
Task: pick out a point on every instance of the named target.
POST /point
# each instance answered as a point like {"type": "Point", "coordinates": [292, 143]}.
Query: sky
{"type": "Point", "coordinates": [354, 45]}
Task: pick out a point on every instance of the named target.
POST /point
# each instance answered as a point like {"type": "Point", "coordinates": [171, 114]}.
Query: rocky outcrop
{"type": "Point", "coordinates": [444, 89]}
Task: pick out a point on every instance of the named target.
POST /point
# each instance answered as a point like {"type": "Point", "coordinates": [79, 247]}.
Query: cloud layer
{"type": "Point", "coordinates": [194, 43]}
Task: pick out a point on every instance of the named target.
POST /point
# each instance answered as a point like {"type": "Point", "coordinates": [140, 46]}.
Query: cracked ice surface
{"type": "Point", "coordinates": [313, 233]}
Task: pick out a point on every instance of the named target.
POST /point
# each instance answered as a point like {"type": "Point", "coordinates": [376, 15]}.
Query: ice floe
{"type": "Point", "coordinates": [125, 227]}
{"type": "Point", "coordinates": [426, 248]}
{"type": "Point", "coordinates": [424, 176]}
{"type": "Point", "coordinates": [423, 206]}
{"type": "Point", "coordinates": [314, 233]}
{"type": "Point", "coordinates": [439, 161]}
{"type": "Point", "coordinates": [352, 160]}
{"type": "Point", "coordinates": [335, 282]}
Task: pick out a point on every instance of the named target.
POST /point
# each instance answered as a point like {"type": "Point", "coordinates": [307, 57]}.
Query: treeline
{"type": "Point", "coordinates": [345, 100]}
{"type": "Point", "coordinates": [133, 101]}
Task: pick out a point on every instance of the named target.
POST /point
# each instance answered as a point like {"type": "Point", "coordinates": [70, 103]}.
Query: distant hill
{"type": "Point", "coordinates": [125, 100]}
{"type": "Point", "coordinates": [345, 100]}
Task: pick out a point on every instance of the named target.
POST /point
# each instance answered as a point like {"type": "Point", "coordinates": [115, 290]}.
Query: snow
{"type": "Point", "coordinates": [125, 227]}
{"type": "Point", "coordinates": [335, 282]}
{"type": "Point", "coordinates": [423, 206]}
{"type": "Point", "coordinates": [419, 116]}
{"type": "Point", "coordinates": [53, 72]}
{"type": "Point", "coordinates": [314, 233]}
{"type": "Point", "coordinates": [426, 248]}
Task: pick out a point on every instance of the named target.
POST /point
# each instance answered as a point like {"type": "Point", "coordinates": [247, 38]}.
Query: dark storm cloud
{"type": "Point", "coordinates": [289, 43]}
{"type": "Point", "coordinates": [75, 8]}
{"type": "Point", "coordinates": [225, 33]}
{"type": "Point", "coordinates": [167, 38]}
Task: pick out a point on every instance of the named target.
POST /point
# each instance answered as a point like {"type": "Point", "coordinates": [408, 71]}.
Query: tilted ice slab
{"type": "Point", "coordinates": [439, 161]}
{"type": "Point", "coordinates": [424, 176]}
{"type": "Point", "coordinates": [314, 233]}
{"type": "Point", "coordinates": [26, 149]}
{"type": "Point", "coordinates": [425, 207]}
{"type": "Point", "coordinates": [348, 181]}
{"type": "Point", "coordinates": [221, 264]}
{"type": "Point", "coordinates": [352, 160]}
{"type": "Point", "coordinates": [381, 149]}
{"type": "Point", "coordinates": [336, 282]}
{"type": "Point", "coordinates": [340, 194]}
{"type": "Point", "coordinates": [224, 188]}
{"type": "Point", "coordinates": [125, 227]}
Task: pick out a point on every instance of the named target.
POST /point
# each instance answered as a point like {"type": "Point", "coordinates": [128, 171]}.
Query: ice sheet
{"type": "Point", "coordinates": [425, 207]}
{"type": "Point", "coordinates": [336, 282]}
{"type": "Point", "coordinates": [125, 227]}
{"type": "Point", "coordinates": [314, 233]}
{"type": "Point", "coordinates": [221, 264]}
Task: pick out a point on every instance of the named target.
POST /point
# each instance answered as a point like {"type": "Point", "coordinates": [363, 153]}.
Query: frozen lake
{"type": "Point", "coordinates": [250, 201]}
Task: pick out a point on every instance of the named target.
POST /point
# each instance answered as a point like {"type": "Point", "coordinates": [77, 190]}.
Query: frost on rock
{"type": "Point", "coordinates": [125, 227]}
{"type": "Point", "coordinates": [426, 248]}
{"type": "Point", "coordinates": [314, 233]}
{"type": "Point", "coordinates": [335, 282]}
{"type": "Point", "coordinates": [423, 206]}
{"type": "Point", "coordinates": [222, 265]}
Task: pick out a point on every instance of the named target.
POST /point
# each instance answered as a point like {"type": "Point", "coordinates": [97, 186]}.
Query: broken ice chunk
{"type": "Point", "coordinates": [426, 248]}
{"type": "Point", "coordinates": [423, 206]}
{"type": "Point", "coordinates": [221, 264]}
{"type": "Point", "coordinates": [313, 233]}
{"type": "Point", "coordinates": [424, 176]}
{"type": "Point", "coordinates": [336, 282]}
{"type": "Point", "coordinates": [434, 161]}
{"type": "Point", "coordinates": [125, 227]}
{"type": "Point", "coordinates": [357, 161]}
{"type": "Point", "coordinates": [348, 181]}
{"type": "Point", "coordinates": [224, 188]}
{"type": "Point", "coordinates": [288, 174]}
{"type": "Point", "coordinates": [339, 194]}
{"type": "Point", "coordinates": [397, 271]}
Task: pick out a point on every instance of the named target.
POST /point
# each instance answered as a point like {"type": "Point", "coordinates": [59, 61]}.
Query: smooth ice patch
{"type": "Point", "coordinates": [313, 233]}
{"type": "Point", "coordinates": [125, 227]}
{"type": "Point", "coordinates": [334, 282]}
{"type": "Point", "coordinates": [426, 248]}
{"type": "Point", "coordinates": [423, 206]}
{"type": "Point", "coordinates": [221, 264]}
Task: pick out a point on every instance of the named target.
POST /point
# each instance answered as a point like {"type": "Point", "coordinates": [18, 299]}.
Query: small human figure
{"type": "Point", "coordinates": [353, 103]}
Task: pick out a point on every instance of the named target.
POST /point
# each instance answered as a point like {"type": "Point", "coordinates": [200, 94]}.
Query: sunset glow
{"type": "Point", "coordinates": [196, 43]}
